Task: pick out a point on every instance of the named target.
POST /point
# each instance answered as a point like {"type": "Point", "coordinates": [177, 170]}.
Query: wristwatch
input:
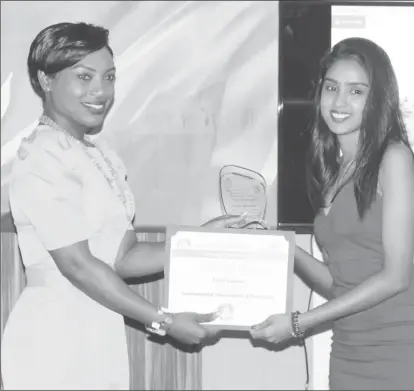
{"type": "Point", "coordinates": [161, 327]}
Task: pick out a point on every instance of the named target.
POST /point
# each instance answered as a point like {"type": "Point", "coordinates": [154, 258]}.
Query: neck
{"type": "Point", "coordinates": [349, 146]}
{"type": "Point", "coordinates": [75, 130]}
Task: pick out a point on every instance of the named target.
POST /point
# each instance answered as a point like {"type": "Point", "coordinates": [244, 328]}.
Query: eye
{"type": "Point", "coordinates": [111, 77]}
{"type": "Point", "coordinates": [84, 76]}
{"type": "Point", "coordinates": [330, 87]}
{"type": "Point", "coordinates": [356, 91]}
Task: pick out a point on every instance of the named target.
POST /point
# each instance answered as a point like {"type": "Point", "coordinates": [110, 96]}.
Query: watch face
{"type": "Point", "coordinates": [161, 332]}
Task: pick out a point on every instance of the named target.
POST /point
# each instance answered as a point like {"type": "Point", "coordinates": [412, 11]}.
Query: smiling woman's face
{"type": "Point", "coordinates": [81, 96]}
{"type": "Point", "coordinates": [344, 94]}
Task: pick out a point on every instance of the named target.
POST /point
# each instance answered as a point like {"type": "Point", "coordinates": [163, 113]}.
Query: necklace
{"type": "Point", "coordinates": [124, 195]}
{"type": "Point", "coordinates": [345, 172]}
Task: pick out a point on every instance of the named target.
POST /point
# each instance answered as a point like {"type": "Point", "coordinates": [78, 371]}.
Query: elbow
{"type": "Point", "coordinates": [75, 263]}
{"type": "Point", "coordinates": [327, 292]}
{"type": "Point", "coordinates": [73, 270]}
{"type": "Point", "coordinates": [404, 284]}
{"type": "Point", "coordinates": [399, 284]}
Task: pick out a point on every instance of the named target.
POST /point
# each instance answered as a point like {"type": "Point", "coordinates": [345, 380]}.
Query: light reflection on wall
{"type": "Point", "coordinates": [196, 89]}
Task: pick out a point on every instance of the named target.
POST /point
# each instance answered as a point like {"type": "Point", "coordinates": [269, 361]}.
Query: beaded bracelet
{"type": "Point", "coordinates": [296, 332]}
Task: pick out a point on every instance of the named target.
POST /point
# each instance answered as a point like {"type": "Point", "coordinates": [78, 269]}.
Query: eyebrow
{"type": "Point", "coordinates": [91, 68]}
{"type": "Point", "coordinates": [356, 83]}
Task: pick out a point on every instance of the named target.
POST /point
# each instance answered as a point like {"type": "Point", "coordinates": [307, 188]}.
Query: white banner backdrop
{"type": "Point", "coordinates": [197, 87]}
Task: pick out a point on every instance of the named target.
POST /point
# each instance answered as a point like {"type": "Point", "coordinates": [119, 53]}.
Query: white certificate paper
{"type": "Point", "coordinates": [245, 275]}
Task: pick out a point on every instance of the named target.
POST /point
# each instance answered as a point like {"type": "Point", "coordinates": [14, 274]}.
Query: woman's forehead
{"type": "Point", "coordinates": [100, 60]}
{"type": "Point", "coordinates": [347, 71]}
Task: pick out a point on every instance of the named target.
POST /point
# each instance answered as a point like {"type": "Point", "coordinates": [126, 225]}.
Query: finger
{"type": "Point", "coordinates": [238, 221]}
{"type": "Point", "coordinates": [262, 325]}
{"type": "Point", "coordinates": [196, 341]}
{"type": "Point", "coordinates": [259, 333]}
{"type": "Point", "coordinates": [206, 318]}
{"type": "Point", "coordinates": [234, 219]}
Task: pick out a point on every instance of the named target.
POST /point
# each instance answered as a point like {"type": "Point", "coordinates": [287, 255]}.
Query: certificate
{"type": "Point", "coordinates": [245, 275]}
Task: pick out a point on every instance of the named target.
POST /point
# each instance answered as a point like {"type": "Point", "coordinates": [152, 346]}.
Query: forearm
{"type": "Point", "coordinates": [142, 259]}
{"type": "Point", "coordinates": [313, 272]}
{"type": "Point", "coordinates": [101, 283]}
{"type": "Point", "coordinates": [370, 293]}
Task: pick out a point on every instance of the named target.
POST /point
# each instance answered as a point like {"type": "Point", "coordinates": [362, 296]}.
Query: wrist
{"type": "Point", "coordinates": [297, 331]}
{"type": "Point", "coordinates": [162, 322]}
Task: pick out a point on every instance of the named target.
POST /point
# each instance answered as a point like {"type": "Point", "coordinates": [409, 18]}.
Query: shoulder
{"type": "Point", "coordinates": [46, 151]}
{"type": "Point", "coordinates": [397, 156]}
{"type": "Point", "coordinates": [397, 165]}
{"type": "Point", "coordinates": [43, 138]}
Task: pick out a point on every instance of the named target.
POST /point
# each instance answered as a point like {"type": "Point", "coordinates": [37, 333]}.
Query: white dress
{"type": "Point", "coordinates": [56, 336]}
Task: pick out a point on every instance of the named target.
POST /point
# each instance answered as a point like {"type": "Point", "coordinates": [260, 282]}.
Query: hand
{"type": "Point", "coordinates": [275, 329]}
{"type": "Point", "coordinates": [186, 327]}
{"type": "Point", "coordinates": [228, 221]}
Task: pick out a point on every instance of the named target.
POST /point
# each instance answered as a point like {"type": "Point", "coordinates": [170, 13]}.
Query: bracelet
{"type": "Point", "coordinates": [161, 327]}
{"type": "Point", "coordinates": [296, 331]}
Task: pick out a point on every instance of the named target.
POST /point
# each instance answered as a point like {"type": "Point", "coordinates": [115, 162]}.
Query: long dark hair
{"type": "Point", "coordinates": [382, 124]}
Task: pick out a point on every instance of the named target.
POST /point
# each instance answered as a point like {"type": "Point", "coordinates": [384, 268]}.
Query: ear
{"type": "Point", "coordinates": [45, 81]}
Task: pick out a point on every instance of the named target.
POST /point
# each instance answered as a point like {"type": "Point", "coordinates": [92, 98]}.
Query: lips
{"type": "Point", "coordinates": [339, 117]}
{"type": "Point", "coordinates": [95, 108]}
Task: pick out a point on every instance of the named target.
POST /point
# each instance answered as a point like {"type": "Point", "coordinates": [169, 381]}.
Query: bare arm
{"type": "Point", "coordinates": [396, 182]}
{"type": "Point", "coordinates": [100, 282]}
{"type": "Point", "coordinates": [313, 272]}
{"type": "Point", "coordinates": [137, 259]}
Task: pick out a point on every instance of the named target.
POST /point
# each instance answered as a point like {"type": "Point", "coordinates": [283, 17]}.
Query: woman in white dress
{"type": "Point", "coordinates": [72, 208]}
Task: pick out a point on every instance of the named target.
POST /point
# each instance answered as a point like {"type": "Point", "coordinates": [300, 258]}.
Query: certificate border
{"type": "Point", "coordinates": [289, 235]}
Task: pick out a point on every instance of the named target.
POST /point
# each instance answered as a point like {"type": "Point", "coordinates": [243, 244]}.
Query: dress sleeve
{"type": "Point", "coordinates": [48, 193]}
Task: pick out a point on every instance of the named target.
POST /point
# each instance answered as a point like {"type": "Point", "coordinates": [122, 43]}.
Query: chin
{"type": "Point", "coordinates": [342, 129]}
{"type": "Point", "coordinates": [94, 130]}
{"type": "Point", "coordinates": [94, 125]}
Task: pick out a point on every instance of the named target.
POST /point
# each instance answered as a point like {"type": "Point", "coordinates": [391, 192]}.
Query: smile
{"type": "Point", "coordinates": [95, 108]}
{"type": "Point", "coordinates": [339, 117]}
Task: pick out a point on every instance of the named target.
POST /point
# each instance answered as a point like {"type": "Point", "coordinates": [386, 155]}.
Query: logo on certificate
{"type": "Point", "coordinates": [226, 311]}
{"type": "Point", "coordinates": [183, 244]}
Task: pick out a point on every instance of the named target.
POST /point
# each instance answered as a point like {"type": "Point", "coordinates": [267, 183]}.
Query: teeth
{"type": "Point", "coordinates": [340, 115]}
{"type": "Point", "coordinates": [94, 106]}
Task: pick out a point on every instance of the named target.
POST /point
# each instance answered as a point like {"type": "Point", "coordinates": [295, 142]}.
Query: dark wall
{"type": "Point", "coordinates": [304, 37]}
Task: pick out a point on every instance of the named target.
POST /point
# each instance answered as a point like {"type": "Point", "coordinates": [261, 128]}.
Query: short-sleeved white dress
{"type": "Point", "coordinates": [56, 336]}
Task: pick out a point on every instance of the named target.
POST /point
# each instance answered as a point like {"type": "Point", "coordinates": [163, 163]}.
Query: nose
{"type": "Point", "coordinates": [340, 100]}
{"type": "Point", "coordinates": [96, 87]}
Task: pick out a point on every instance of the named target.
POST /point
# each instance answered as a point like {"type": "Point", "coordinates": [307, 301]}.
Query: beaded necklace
{"type": "Point", "coordinates": [124, 195]}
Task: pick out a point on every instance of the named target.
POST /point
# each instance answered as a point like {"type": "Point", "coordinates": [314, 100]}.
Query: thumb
{"type": "Point", "coordinates": [206, 318]}
{"type": "Point", "coordinates": [236, 219]}
{"type": "Point", "coordinates": [261, 325]}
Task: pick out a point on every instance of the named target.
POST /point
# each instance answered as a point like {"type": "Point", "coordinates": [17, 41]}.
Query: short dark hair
{"type": "Point", "coordinates": [62, 45]}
